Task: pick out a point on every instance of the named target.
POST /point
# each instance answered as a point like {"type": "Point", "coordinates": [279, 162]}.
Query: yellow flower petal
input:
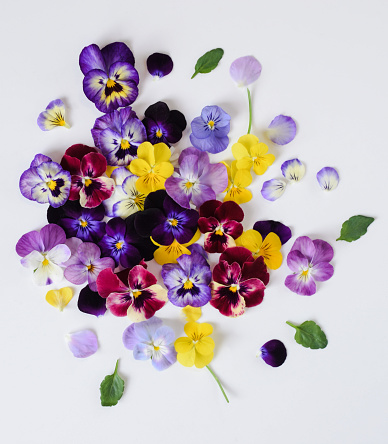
{"type": "Point", "coordinates": [168, 254]}
{"type": "Point", "coordinates": [164, 169]}
{"type": "Point", "coordinates": [187, 359]}
{"type": "Point", "coordinates": [192, 314]}
{"type": "Point", "coordinates": [162, 153]}
{"type": "Point", "coordinates": [245, 163]}
{"type": "Point", "coordinates": [205, 346]}
{"type": "Point", "coordinates": [109, 170]}
{"type": "Point", "coordinates": [260, 149]}
{"type": "Point", "coordinates": [239, 151]}
{"type": "Point", "coordinates": [202, 360]}
{"type": "Point", "coordinates": [242, 178]}
{"type": "Point", "coordinates": [238, 195]}
{"type": "Point", "coordinates": [249, 140]}
{"type": "Point", "coordinates": [149, 183]}
{"type": "Point", "coordinates": [270, 250]}
{"type": "Point", "coordinates": [59, 298]}
{"type": "Point", "coordinates": [139, 167]}
{"type": "Point", "coordinates": [183, 345]}
{"type": "Point", "coordinates": [146, 152]}
{"type": "Point", "coordinates": [252, 240]}
{"type": "Point", "coordinates": [261, 164]}
{"type": "Point", "coordinates": [197, 331]}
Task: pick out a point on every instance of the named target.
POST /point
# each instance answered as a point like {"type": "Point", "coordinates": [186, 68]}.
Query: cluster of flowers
{"type": "Point", "coordinates": [124, 202]}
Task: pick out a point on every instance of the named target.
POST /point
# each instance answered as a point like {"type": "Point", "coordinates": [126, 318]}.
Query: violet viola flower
{"type": "Point", "coordinates": [198, 180]}
{"type": "Point", "coordinates": [139, 299]}
{"type": "Point", "coordinates": [188, 281]}
{"type": "Point", "coordinates": [309, 261]}
{"type": "Point", "coordinates": [86, 264]}
{"type": "Point", "coordinates": [45, 182]}
{"type": "Point", "coordinates": [221, 224]}
{"type": "Point", "coordinates": [210, 130]}
{"type": "Point", "coordinates": [85, 223]}
{"type": "Point", "coordinates": [45, 252]}
{"type": "Point", "coordinates": [110, 77]}
{"type": "Point", "coordinates": [159, 65]}
{"type": "Point", "coordinates": [151, 340]}
{"type": "Point", "coordinates": [163, 125]}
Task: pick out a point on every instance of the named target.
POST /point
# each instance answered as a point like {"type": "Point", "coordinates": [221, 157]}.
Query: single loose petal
{"type": "Point", "coordinates": [82, 343]}
{"type": "Point", "coordinates": [59, 298]}
{"type": "Point", "coordinates": [282, 130]}
{"type": "Point", "coordinates": [293, 170]}
{"type": "Point", "coordinates": [328, 178]}
{"type": "Point", "coordinates": [192, 314]}
{"type": "Point", "coordinates": [159, 65]}
{"type": "Point", "coordinates": [91, 302]}
{"type": "Point", "coordinates": [273, 189]}
{"type": "Point", "coordinates": [245, 70]}
{"type": "Point", "coordinates": [273, 352]}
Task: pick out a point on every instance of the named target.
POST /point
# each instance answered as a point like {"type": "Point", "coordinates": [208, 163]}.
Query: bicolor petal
{"type": "Point", "coordinates": [273, 189]}
{"type": "Point", "coordinates": [328, 178]}
{"type": "Point", "coordinates": [282, 130]}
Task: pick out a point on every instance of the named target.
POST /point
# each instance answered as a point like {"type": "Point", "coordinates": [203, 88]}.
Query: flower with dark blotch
{"type": "Point", "coordinates": [163, 125]}
{"type": "Point", "coordinates": [159, 65]}
{"type": "Point", "coordinates": [264, 227]}
{"type": "Point", "coordinates": [209, 131]}
{"type": "Point", "coordinates": [53, 116]}
{"type": "Point", "coordinates": [110, 78]}
{"type": "Point", "coordinates": [273, 353]}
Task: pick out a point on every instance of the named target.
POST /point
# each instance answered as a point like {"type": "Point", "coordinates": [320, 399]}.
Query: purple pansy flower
{"type": "Point", "coordinates": [245, 70]}
{"type": "Point", "coordinates": [110, 77]}
{"type": "Point", "coordinates": [309, 261]}
{"type": "Point", "coordinates": [45, 182]}
{"type": "Point", "coordinates": [90, 302]}
{"type": "Point", "coordinates": [282, 130]}
{"type": "Point", "coordinates": [45, 252]}
{"type": "Point", "coordinates": [85, 264]}
{"type": "Point", "coordinates": [84, 223]}
{"type": "Point", "coordinates": [210, 130]}
{"type": "Point", "coordinates": [273, 353]}
{"type": "Point", "coordinates": [264, 227]}
{"type": "Point", "coordinates": [163, 125]}
{"type": "Point", "coordinates": [197, 180]}
{"type": "Point", "coordinates": [151, 340]}
{"type": "Point", "coordinates": [159, 65]}
{"type": "Point", "coordinates": [188, 280]}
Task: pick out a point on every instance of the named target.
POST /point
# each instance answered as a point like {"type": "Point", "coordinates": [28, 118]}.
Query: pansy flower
{"type": "Point", "coordinates": [238, 180]}
{"type": "Point", "coordinates": [114, 120]}
{"type": "Point", "coordinates": [169, 254]}
{"type": "Point", "coordinates": [85, 223]}
{"type": "Point", "coordinates": [221, 224]}
{"type": "Point", "coordinates": [248, 152]}
{"type": "Point", "coordinates": [188, 280]}
{"type": "Point", "coordinates": [210, 130]}
{"type": "Point", "coordinates": [151, 340]}
{"type": "Point", "coordinates": [309, 262]}
{"type": "Point", "coordinates": [159, 65]}
{"type": "Point", "coordinates": [45, 182]}
{"type": "Point", "coordinates": [163, 125]}
{"type": "Point", "coordinates": [264, 227]}
{"type": "Point", "coordinates": [152, 167]}
{"type": "Point", "coordinates": [197, 180]}
{"type": "Point", "coordinates": [45, 252]}
{"type": "Point", "coordinates": [110, 78]}
{"type": "Point", "coordinates": [139, 299]}
{"type": "Point", "coordinates": [53, 116]}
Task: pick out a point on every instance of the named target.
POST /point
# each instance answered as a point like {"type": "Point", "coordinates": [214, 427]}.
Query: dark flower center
{"type": "Point", "coordinates": [111, 87]}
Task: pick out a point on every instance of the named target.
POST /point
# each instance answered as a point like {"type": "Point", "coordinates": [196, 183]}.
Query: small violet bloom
{"type": "Point", "coordinates": [151, 340]}
{"type": "Point", "coordinates": [82, 343]}
{"type": "Point", "coordinates": [45, 182]}
{"type": "Point", "coordinates": [245, 70]}
{"type": "Point", "coordinates": [110, 78]}
{"type": "Point", "coordinates": [45, 252]}
{"type": "Point", "coordinates": [159, 65]}
{"type": "Point", "coordinates": [273, 353]}
{"type": "Point", "coordinates": [53, 116]}
{"type": "Point", "coordinates": [293, 170]}
{"type": "Point", "coordinates": [309, 262]}
{"type": "Point", "coordinates": [282, 130]}
{"type": "Point", "coordinates": [273, 189]}
{"type": "Point", "coordinates": [197, 180]}
{"type": "Point", "coordinates": [210, 130]}
{"type": "Point", "coordinates": [328, 178]}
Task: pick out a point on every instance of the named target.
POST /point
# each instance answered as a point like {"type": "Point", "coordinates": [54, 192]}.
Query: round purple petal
{"type": "Point", "coordinates": [303, 285]}
{"type": "Point", "coordinates": [210, 144]}
{"type": "Point", "coordinates": [51, 236]}
{"type": "Point", "coordinates": [328, 178]}
{"type": "Point", "coordinates": [164, 358]}
{"type": "Point", "coordinates": [117, 52]}
{"type": "Point", "coordinates": [91, 302]}
{"type": "Point", "coordinates": [91, 58]}
{"type": "Point", "coordinates": [296, 261]}
{"type": "Point", "coordinates": [282, 130]}
{"type": "Point", "coordinates": [322, 272]}
{"type": "Point", "coordinates": [29, 242]}
{"type": "Point", "coordinates": [145, 330]}
{"type": "Point", "coordinates": [38, 159]}
{"type": "Point", "coordinates": [264, 227]}
{"type": "Point", "coordinates": [323, 251]}
{"type": "Point", "coordinates": [274, 353]}
{"type": "Point", "coordinates": [130, 338]}
{"type": "Point", "coordinates": [245, 70]}
{"type": "Point", "coordinates": [159, 65]}
{"type": "Point", "coordinates": [82, 343]}
{"type": "Point", "coordinates": [306, 246]}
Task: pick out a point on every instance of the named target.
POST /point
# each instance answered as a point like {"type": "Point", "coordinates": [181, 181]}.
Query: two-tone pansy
{"type": "Point", "coordinates": [249, 152]}
{"type": "Point", "coordinates": [110, 78]}
{"type": "Point", "coordinates": [53, 116]}
{"type": "Point", "coordinates": [293, 170]}
{"type": "Point", "coordinates": [220, 222]}
{"type": "Point", "coordinates": [238, 180]}
{"type": "Point", "coordinates": [139, 299]}
{"type": "Point", "coordinates": [45, 182]}
{"type": "Point", "coordinates": [328, 178]}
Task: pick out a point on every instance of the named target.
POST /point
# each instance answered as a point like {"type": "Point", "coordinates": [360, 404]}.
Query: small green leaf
{"type": "Point", "coordinates": [310, 335]}
{"type": "Point", "coordinates": [354, 228]}
{"type": "Point", "coordinates": [111, 389]}
{"type": "Point", "coordinates": [208, 61]}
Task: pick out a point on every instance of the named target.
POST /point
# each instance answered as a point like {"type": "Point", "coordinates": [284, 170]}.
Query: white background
{"type": "Point", "coordinates": [325, 64]}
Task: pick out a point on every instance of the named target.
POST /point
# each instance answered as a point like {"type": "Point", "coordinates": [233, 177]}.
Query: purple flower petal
{"type": "Point", "coordinates": [322, 272]}
{"type": "Point", "coordinates": [323, 251]}
{"type": "Point", "coordinates": [303, 285]}
{"type": "Point", "coordinates": [51, 236]}
{"type": "Point", "coordinates": [328, 178]}
{"type": "Point", "coordinates": [264, 227]}
{"type": "Point", "coordinates": [130, 338]}
{"type": "Point", "coordinates": [293, 170]}
{"type": "Point", "coordinates": [146, 330]}
{"type": "Point", "coordinates": [273, 189]}
{"type": "Point", "coordinates": [91, 302]}
{"type": "Point", "coordinates": [306, 246]}
{"type": "Point", "coordinates": [117, 52]}
{"type": "Point", "coordinates": [296, 261]}
{"type": "Point", "coordinates": [91, 58]}
{"type": "Point", "coordinates": [82, 343]}
{"type": "Point", "coordinates": [159, 65]}
{"type": "Point", "coordinates": [38, 159]}
{"type": "Point", "coordinates": [29, 242]}
{"type": "Point", "coordinates": [273, 353]}
{"type": "Point", "coordinates": [282, 130]}
{"type": "Point", "coordinates": [210, 144]}
{"type": "Point", "coordinates": [245, 70]}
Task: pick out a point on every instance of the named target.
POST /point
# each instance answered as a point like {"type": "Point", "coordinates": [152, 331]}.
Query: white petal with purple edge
{"type": "Point", "coordinates": [282, 130]}
{"type": "Point", "coordinates": [47, 273]}
{"type": "Point", "coordinates": [82, 343]}
{"type": "Point", "coordinates": [273, 189]}
{"type": "Point", "coordinates": [293, 170]}
{"type": "Point", "coordinates": [328, 178]}
{"type": "Point", "coordinates": [59, 254]}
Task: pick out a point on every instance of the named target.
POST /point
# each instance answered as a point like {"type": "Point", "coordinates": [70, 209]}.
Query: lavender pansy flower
{"type": "Point", "coordinates": [53, 116]}
{"type": "Point", "coordinates": [90, 302]}
{"type": "Point", "coordinates": [273, 189]}
{"type": "Point", "coordinates": [159, 65]}
{"type": "Point", "coordinates": [245, 70]}
{"type": "Point", "coordinates": [45, 182]}
{"type": "Point", "coordinates": [309, 262]}
{"type": "Point", "coordinates": [328, 178]}
{"type": "Point", "coordinates": [197, 180]}
{"type": "Point", "coordinates": [264, 227]}
{"type": "Point", "coordinates": [188, 280]}
{"type": "Point", "coordinates": [210, 130]}
{"type": "Point", "coordinates": [273, 353]}
{"type": "Point", "coordinates": [45, 252]}
{"type": "Point", "coordinates": [110, 77]}
{"type": "Point", "coordinates": [282, 130]}
{"type": "Point", "coordinates": [151, 340]}
{"type": "Point", "coordinates": [82, 343]}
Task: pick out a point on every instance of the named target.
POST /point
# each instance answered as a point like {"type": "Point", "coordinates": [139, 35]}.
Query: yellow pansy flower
{"type": "Point", "coordinates": [250, 152]}
{"type": "Point", "coordinates": [152, 166]}
{"type": "Point", "coordinates": [269, 248]}
{"type": "Point", "coordinates": [168, 254]}
{"type": "Point", "coordinates": [237, 181]}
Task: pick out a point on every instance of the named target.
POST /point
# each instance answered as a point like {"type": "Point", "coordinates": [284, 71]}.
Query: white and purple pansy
{"type": "Point", "coordinates": [309, 262]}
{"type": "Point", "coordinates": [45, 182]}
{"type": "Point", "coordinates": [110, 77]}
{"type": "Point", "coordinates": [273, 189]}
{"type": "Point", "coordinates": [293, 170]}
{"type": "Point", "coordinates": [53, 116]}
{"type": "Point", "coordinates": [328, 178]}
{"type": "Point", "coordinates": [282, 130]}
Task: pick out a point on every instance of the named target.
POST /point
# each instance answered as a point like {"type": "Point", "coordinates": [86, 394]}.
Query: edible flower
{"type": "Point", "coordinates": [248, 152]}
{"type": "Point", "coordinates": [273, 353]}
{"type": "Point", "coordinates": [273, 189]}
{"type": "Point", "coordinates": [264, 227]}
{"type": "Point", "coordinates": [328, 178]}
{"type": "Point", "coordinates": [282, 130]}
{"type": "Point", "coordinates": [159, 65]}
{"type": "Point", "coordinates": [238, 180]}
{"type": "Point", "coordinates": [151, 340]}
{"type": "Point", "coordinates": [53, 116]}
{"type": "Point", "coordinates": [293, 170]}
{"type": "Point", "coordinates": [82, 343]}
{"type": "Point", "coordinates": [59, 298]}
{"type": "Point", "coordinates": [90, 302]}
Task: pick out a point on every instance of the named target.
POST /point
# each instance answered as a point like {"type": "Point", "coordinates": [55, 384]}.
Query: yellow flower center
{"type": "Point", "coordinates": [139, 201]}
{"type": "Point", "coordinates": [156, 348]}
{"type": "Point", "coordinates": [136, 293]}
{"type": "Point", "coordinates": [124, 145]}
{"type": "Point", "coordinates": [305, 273]}
{"type": "Point", "coordinates": [189, 184]}
{"type": "Point", "coordinates": [110, 83]}
{"type": "Point", "coordinates": [52, 184]}
{"type": "Point", "coordinates": [83, 223]}
{"type": "Point", "coordinates": [158, 134]}
{"type": "Point", "coordinates": [173, 222]}
{"type": "Point", "coordinates": [90, 268]}
{"type": "Point", "coordinates": [210, 124]}
{"type": "Point", "coordinates": [88, 182]}
{"type": "Point", "coordinates": [119, 245]}
{"type": "Point", "coordinates": [188, 285]}
{"type": "Point", "coordinates": [234, 288]}
{"type": "Point", "coordinates": [219, 231]}
{"type": "Point", "coordinates": [45, 262]}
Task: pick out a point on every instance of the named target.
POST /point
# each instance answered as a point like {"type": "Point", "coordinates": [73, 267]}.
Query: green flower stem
{"type": "Point", "coordinates": [292, 325]}
{"type": "Point", "coordinates": [218, 382]}
{"type": "Point", "coordinates": [250, 111]}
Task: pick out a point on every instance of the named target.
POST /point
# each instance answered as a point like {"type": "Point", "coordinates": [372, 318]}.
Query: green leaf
{"type": "Point", "coordinates": [310, 335]}
{"type": "Point", "coordinates": [208, 61]}
{"type": "Point", "coordinates": [354, 228]}
{"type": "Point", "coordinates": [111, 389]}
